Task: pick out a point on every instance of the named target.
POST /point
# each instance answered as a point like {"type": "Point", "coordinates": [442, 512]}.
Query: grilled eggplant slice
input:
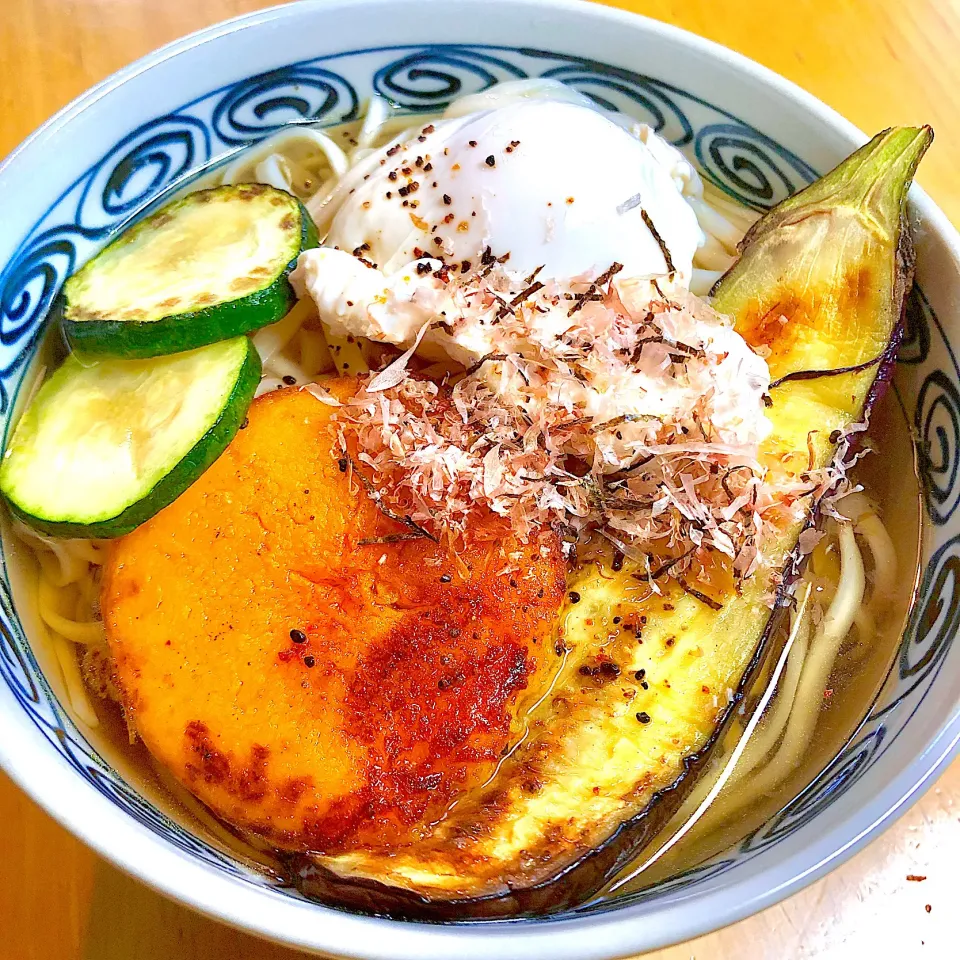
{"type": "Point", "coordinates": [648, 688]}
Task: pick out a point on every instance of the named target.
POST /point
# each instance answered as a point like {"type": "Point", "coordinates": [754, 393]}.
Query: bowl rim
{"type": "Point", "coordinates": [150, 860]}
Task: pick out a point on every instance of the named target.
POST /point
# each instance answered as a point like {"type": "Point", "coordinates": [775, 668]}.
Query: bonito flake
{"type": "Point", "coordinates": [621, 406]}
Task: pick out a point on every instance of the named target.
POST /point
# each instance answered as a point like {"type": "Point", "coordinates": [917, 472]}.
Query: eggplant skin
{"type": "Point", "coordinates": [577, 882]}
{"type": "Point", "coordinates": [607, 762]}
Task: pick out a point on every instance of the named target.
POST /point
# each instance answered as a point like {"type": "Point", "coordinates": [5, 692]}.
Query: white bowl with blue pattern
{"type": "Point", "coordinates": [134, 138]}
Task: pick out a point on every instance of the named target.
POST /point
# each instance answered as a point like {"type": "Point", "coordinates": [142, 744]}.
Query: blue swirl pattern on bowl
{"type": "Point", "coordinates": [156, 158]}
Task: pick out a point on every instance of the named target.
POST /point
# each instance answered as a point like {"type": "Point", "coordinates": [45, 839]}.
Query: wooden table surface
{"type": "Point", "coordinates": [879, 62]}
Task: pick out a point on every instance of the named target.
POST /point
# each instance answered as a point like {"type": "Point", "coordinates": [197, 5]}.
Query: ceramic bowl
{"type": "Point", "coordinates": [134, 138]}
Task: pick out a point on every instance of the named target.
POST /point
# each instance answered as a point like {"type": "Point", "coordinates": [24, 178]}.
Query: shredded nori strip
{"type": "Point", "coordinates": [591, 291]}
{"type": "Point", "coordinates": [682, 348]}
{"type": "Point", "coordinates": [377, 498]}
{"type": "Point", "coordinates": [665, 567]}
{"type": "Point", "coordinates": [389, 538]}
{"type": "Point", "coordinates": [696, 594]}
{"type": "Point", "coordinates": [835, 372]}
{"type": "Point", "coordinates": [473, 368]}
{"type": "Point", "coordinates": [625, 549]}
{"type": "Point", "coordinates": [505, 307]}
{"type": "Point", "coordinates": [608, 274]}
{"type": "Point", "coordinates": [629, 503]}
{"type": "Point", "coordinates": [636, 466]}
{"type": "Point", "coordinates": [623, 418]}
{"type": "Point", "coordinates": [723, 479]}
{"type": "Point", "coordinates": [664, 249]}
{"type": "Point", "coordinates": [576, 422]}
{"type": "Point", "coordinates": [528, 292]}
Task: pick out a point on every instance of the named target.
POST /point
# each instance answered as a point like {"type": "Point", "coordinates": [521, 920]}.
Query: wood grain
{"type": "Point", "coordinates": [878, 62]}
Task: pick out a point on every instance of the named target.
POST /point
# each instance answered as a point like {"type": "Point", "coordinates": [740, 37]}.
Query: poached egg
{"type": "Point", "coordinates": [557, 185]}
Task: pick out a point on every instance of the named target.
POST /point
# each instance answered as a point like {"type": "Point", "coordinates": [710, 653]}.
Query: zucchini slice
{"type": "Point", "coordinates": [106, 444]}
{"type": "Point", "coordinates": [205, 268]}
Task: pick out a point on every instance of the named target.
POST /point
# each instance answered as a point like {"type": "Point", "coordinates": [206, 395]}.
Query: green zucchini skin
{"type": "Point", "coordinates": [200, 457]}
{"type": "Point", "coordinates": [140, 340]}
{"type": "Point", "coordinates": [135, 340]}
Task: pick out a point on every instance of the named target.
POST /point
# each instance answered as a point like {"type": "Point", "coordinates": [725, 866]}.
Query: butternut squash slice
{"type": "Point", "coordinates": [310, 675]}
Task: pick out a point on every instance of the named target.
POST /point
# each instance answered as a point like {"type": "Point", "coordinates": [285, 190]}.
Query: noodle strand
{"type": "Point", "coordinates": [824, 647]}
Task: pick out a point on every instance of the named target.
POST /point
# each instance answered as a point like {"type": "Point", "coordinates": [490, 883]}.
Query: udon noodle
{"type": "Point", "coordinates": [838, 602]}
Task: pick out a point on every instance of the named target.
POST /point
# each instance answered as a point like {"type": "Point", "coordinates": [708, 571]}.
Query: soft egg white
{"type": "Point", "coordinates": [552, 184]}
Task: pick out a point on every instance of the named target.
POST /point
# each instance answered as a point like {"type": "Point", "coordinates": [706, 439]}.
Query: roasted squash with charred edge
{"type": "Point", "coordinates": [305, 666]}
{"type": "Point", "coordinates": [612, 753]}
